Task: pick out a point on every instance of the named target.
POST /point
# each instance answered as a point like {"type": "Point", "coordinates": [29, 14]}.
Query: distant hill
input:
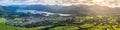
{"type": "Point", "coordinates": [74, 9]}
{"type": "Point", "coordinates": [3, 11]}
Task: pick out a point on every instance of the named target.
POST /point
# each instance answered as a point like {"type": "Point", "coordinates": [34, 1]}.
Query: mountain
{"type": "Point", "coordinates": [75, 9]}
{"type": "Point", "coordinates": [35, 7]}
{"type": "Point", "coordinates": [12, 8]}
{"type": "Point", "coordinates": [3, 11]}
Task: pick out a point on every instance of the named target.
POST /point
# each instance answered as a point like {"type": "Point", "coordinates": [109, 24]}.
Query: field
{"type": "Point", "coordinates": [7, 27]}
{"type": "Point", "coordinates": [79, 23]}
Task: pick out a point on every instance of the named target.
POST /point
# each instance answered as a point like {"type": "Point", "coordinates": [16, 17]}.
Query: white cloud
{"type": "Point", "coordinates": [109, 3]}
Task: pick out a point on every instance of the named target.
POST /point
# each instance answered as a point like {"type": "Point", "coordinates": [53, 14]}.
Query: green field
{"type": "Point", "coordinates": [7, 27]}
{"type": "Point", "coordinates": [81, 23]}
{"type": "Point", "coordinates": [3, 20]}
{"type": "Point", "coordinates": [64, 28]}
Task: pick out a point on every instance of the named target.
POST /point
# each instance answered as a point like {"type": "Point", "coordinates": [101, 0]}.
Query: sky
{"type": "Point", "coordinates": [109, 3]}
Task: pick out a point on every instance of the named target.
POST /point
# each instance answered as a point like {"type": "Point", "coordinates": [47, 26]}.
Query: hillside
{"type": "Point", "coordinates": [7, 27]}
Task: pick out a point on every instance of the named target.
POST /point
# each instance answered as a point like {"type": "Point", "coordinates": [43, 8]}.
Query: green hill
{"type": "Point", "coordinates": [7, 27]}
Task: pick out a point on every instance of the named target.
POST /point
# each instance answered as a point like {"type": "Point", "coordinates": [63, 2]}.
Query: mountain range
{"type": "Point", "coordinates": [74, 9]}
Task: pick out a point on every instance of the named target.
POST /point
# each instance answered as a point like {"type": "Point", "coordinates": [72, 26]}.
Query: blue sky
{"type": "Point", "coordinates": [29, 2]}
{"type": "Point", "coordinates": [44, 2]}
{"type": "Point", "coordinates": [115, 3]}
{"type": "Point", "coordinates": [19, 2]}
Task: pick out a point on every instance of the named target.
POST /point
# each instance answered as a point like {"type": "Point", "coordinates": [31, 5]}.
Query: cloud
{"type": "Point", "coordinates": [109, 3]}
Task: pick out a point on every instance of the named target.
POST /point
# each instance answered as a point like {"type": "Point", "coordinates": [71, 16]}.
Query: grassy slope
{"type": "Point", "coordinates": [6, 27]}
{"type": "Point", "coordinates": [64, 28]}
{"type": "Point", "coordinates": [2, 20]}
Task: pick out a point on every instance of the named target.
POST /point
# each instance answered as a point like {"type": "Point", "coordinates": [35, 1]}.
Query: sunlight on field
{"type": "Point", "coordinates": [3, 20]}
{"type": "Point", "coordinates": [101, 22]}
{"type": "Point", "coordinates": [65, 28]}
